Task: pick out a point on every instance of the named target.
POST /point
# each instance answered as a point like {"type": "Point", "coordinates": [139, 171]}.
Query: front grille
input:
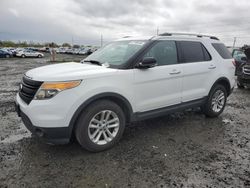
{"type": "Point", "coordinates": [28, 89]}
{"type": "Point", "coordinates": [244, 80]}
{"type": "Point", "coordinates": [246, 69]}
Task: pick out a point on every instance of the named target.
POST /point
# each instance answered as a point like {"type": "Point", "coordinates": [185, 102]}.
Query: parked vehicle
{"type": "Point", "coordinates": [243, 68]}
{"type": "Point", "coordinates": [83, 52]}
{"type": "Point", "coordinates": [5, 54]}
{"type": "Point", "coordinates": [69, 51]}
{"type": "Point", "coordinates": [240, 59]}
{"type": "Point", "coordinates": [10, 50]}
{"type": "Point", "coordinates": [127, 80]}
{"type": "Point", "coordinates": [61, 50]}
{"type": "Point", "coordinates": [29, 53]}
{"type": "Point", "coordinates": [44, 49]}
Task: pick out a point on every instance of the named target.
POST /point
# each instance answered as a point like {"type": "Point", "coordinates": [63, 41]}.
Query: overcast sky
{"type": "Point", "coordinates": [86, 20]}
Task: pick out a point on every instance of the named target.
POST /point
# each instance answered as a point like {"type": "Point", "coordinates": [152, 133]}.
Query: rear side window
{"type": "Point", "coordinates": [222, 50]}
{"type": "Point", "coordinates": [191, 51]}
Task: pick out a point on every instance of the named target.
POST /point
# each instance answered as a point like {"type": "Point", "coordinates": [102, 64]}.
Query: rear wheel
{"type": "Point", "coordinates": [216, 101]}
{"type": "Point", "coordinates": [100, 126]}
{"type": "Point", "coordinates": [39, 56]}
{"type": "Point", "coordinates": [7, 56]}
{"type": "Point", "coordinates": [23, 56]}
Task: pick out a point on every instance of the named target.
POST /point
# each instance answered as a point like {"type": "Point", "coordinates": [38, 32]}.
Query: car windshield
{"type": "Point", "coordinates": [238, 55]}
{"type": "Point", "coordinates": [116, 53]}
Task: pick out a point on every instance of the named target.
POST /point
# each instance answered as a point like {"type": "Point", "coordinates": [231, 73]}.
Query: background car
{"type": "Point", "coordinates": [243, 73]}
{"type": "Point", "coordinates": [5, 54]}
{"type": "Point", "coordinates": [29, 53]}
{"type": "Point", "coordinates": [240, 59]}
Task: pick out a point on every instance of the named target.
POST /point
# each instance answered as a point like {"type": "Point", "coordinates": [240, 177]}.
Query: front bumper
{"type": "Point", "coordinates": [58, 135]}
{"type": "Point", "coordinates": [244, 79]}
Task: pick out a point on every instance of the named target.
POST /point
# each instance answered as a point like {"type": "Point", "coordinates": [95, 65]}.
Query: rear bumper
{"type": "Point", "coordinates": [58, 135]}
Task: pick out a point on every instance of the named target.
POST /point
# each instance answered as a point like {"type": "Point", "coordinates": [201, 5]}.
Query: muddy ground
{"type": "Point", "coordinates": [181, 150]}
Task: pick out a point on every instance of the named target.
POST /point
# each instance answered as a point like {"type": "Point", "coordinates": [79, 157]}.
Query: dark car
{"type": "Point", "coordinates": [243, 68]}
{"type": "Point", "coordinates": [240, 59]}
{"type": "Point", "coordinates": [5, 54]}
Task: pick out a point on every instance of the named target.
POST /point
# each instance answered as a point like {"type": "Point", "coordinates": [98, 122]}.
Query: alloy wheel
{"type": "Point", "coordinates": [103, 127]}
{"type": "Point", "coordinates": [218, 101]}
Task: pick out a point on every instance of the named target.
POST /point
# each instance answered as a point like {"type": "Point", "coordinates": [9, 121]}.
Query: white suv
{"type": "Point", "coordinates": [127, 80]}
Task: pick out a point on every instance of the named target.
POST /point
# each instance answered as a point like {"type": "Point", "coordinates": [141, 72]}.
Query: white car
{"type": "Point", "coordinates": [127, 80]}
{"type": "Point", "coordinates": [29, 53]}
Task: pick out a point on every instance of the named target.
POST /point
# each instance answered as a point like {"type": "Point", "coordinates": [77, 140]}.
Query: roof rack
{"type": "Point", "coordinates": [189, 34]}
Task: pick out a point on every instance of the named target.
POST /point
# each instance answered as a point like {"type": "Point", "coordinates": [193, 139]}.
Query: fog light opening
{"type": "Point", "coordinates": [39, 132]}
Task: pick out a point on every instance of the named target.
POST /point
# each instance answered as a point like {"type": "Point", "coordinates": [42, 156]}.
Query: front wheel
{"type": "Point", "coordinates": [216, 101]}
{"type": "Point", "coordinates": [100, 126]}
{"type": "Point", "coordinates": [23, 56]}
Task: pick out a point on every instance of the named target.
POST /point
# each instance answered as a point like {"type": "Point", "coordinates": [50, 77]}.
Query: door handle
{"type": "Point", "coordinates": [175, 72]}
{"type": "Point", "coordinates": [212, 67]}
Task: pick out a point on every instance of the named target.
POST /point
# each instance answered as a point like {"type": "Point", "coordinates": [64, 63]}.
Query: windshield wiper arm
{"type": "Point", "coordinates": [93, 62]}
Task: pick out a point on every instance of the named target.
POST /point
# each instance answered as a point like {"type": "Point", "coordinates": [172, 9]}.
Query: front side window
{"type": "Point", "coordinates": [116, 53]}
{"type": "Point", "coordinates": [192, 51]}
{"type": "Point", "coordinates": [164, 52]}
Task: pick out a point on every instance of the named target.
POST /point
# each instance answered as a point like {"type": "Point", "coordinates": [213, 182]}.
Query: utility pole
{"type": "Point", "coordinates": [101, 40]}
{"type": "Point", "coordinates": [157, 31]}
{"type": "Point", "coordinates": [234, 42]}
{"type": "Point", "coordinates": [72, 41]}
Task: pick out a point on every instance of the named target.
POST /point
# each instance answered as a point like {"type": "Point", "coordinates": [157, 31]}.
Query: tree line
{"type": "Point", "coordinates": [23, 44]}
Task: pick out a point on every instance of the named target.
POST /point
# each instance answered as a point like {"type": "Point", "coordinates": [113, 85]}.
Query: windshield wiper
{"type": "Point", "coordinates": [93, 62]}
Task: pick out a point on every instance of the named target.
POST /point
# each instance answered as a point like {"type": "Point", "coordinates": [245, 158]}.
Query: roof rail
{"type": "Point", "coordinates": [189, 34]}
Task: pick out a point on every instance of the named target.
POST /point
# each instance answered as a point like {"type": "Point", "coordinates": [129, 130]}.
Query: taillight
{"type": "Point", "coordinates": [234, 63]}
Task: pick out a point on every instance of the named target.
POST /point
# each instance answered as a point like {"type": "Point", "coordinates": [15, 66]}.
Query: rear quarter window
{"type": "Point", "coordinates": [222, 50]}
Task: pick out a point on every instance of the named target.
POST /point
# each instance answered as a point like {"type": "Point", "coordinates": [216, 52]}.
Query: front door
{"type": "Point", "coordinates": [159, 86]}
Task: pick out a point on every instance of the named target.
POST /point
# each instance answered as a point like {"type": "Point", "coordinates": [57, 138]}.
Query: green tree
{"type": "Point", "coordinates": [66, 45]}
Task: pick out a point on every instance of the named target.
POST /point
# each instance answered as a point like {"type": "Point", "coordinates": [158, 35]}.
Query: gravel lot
{"type": "Point", "coordinates": [180, 150]}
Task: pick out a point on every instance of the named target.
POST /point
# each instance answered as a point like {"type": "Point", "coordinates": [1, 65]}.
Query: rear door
{"type": "Point", "coordinates": [159, 86]}
{"type": "Point", "coordinates": [198, 68]}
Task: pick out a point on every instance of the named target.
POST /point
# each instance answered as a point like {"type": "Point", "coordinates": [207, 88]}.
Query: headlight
{"type": "Point", "coordinates": [50, 89]}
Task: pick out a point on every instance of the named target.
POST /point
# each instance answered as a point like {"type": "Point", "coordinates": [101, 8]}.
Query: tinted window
{"type": "Point", "coordinates": [193, 52]}
{"type": "Point", "coordinates": [164, 52]}
{"type": "Point", "coordinates": [222, 50]}
{"type": "Point", "coordinates": [207, 56]}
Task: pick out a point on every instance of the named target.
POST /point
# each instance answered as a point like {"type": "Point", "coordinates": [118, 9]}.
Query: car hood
{"type": "Point", "coordinates": [68, 71]}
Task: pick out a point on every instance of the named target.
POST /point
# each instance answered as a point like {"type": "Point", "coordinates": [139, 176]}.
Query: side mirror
{"type": "Point", "coordinates": [147, 62]}
{"type": "Point", "coordinates": [243, 59]}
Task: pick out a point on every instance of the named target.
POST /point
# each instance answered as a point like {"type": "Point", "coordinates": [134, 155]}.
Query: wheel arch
{"type": "Point", "coordinates": [225, 82]}
{"type": "Point", "coordinates": [115, 97]}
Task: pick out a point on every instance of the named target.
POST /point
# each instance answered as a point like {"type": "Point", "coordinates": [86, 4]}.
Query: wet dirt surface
{"type": "Point", "coordinates": [180, 150]}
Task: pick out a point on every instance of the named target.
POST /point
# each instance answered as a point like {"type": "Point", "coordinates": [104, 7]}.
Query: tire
{"type": "Point", "coordinates": [216, 93]}
{"type": "Point", "coordinates": [39, 56]}
{"type": "Point", "coordinates": [89, 125]}
{"type": "Point", "coordinates": [7, 56]}
{"type": "Point", "coordinates": [23, 56]}
{"type": "Point", "coordinates": [240, 86]}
